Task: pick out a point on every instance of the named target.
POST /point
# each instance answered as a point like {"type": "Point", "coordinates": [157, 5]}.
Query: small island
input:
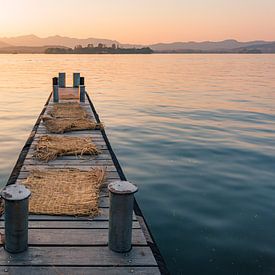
{"type": "Point", "coordinates": [100, 49]}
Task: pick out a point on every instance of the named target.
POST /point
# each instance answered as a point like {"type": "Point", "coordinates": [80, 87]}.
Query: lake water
{"type": "Point", "coordinates": [195, 132]}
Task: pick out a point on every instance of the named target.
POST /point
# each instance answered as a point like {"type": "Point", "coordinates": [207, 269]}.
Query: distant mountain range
{"type": "Point", "coordinates": [35, 44]}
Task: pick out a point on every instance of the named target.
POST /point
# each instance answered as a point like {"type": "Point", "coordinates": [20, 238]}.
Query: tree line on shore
{"type": "Point", "coordinates": [99, 49]}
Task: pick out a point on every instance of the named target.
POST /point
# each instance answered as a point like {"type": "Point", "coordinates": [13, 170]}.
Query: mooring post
{"type": "Point", "coordinates": [82, 89]}
{"type": "Point", "coordinates": [121, 215]}
{"type": "Point", "coordinates": [62, 80]}
{"type": "Point", "coordinates": [55, 90]}
{"type": "Point", "coordinates": [76, 80]}
{"type": "Point", "coordinates": [16, 197]}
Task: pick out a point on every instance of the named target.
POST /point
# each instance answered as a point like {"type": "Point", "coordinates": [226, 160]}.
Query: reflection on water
{"type": "Point", "coordinates": [195, 132]}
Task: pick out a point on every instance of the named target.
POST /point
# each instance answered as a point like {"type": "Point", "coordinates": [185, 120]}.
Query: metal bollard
{"type": "Point", "coordinates": [62, 80]}
{"type": "Point", "coordinates": [82, 93]}
{"type": "Point", "coordinates": [16, 198]}
{"type": "Point", "coordinates": [82, 80]}
{"type": "Point", "coordinates": [82, 89]}
{"type": "Point", "coordinates": [55, 90]}
{"type": "Point", "coordinates": [121, 215]}
{"type": "Point", "coordinates": [76, 80]}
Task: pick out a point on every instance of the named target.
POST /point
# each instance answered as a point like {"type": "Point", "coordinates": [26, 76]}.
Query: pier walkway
{"type": "Point", "coordinates": [78, 245]}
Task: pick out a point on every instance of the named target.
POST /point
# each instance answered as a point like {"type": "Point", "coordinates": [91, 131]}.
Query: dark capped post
{"type": "Point", "coordinates": [62, 80]}
{"type": "Point", "coordinates": [55, 90]}
{"type": "Point", "coordinates": [76, 80]}
{"type": "Point", "coordinates": [121, 215]}
{"type": "Point", "coordinates": [82, 90]}
{"type": "Point", "coordinates": [16, 197]}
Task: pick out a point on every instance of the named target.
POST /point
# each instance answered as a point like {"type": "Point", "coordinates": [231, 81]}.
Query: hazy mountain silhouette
{"type": "Point", "coordinates": [229, 45]}
{"type": "Point", "coordinates": [264, 48]}
{"type": "Point", "coordinates": [3, 44]}
{"type": "Point", "coordinates": [204, 46]}
{"type": "Point", "coordinates": [35, 41]}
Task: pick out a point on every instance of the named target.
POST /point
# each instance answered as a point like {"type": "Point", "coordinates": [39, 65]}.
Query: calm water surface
{"type": "Point", "coordinates": [195, 132]}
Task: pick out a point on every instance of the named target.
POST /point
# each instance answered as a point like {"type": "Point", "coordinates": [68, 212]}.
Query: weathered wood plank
{"type": "Point", "coordinates": [104, 216]}
{"type": "Point", "coordinates": [103, 186]}
{"type": "Point", "coordinates": [88, 256]}
{"type": "Point", "coordinates": [42, 130]}
{"type": "Point", "coordinates": [32, 150]}
{"type": "Point", "coordinates": [70, 162]}
{"type": "Point", "coordinates": [83, 106]}
{"type": "Point", "coordinates": [97, 138]}
{"type": "Point", "coordinates": [96, 142]}
{"type": "Point", "coordinates": [102, 156]}
{"type": "Point", "coordinates": [89, 113]}
{"type": "Point", "coordinates": [71, 224]}
{"type": "Point", "coordinates": [109, 175]}
{"type": "Point", "coordinates": [91, 134]}
{"type": "Point", "coordinates": [58, 270]}
{"type": "Point", "coordinates": [29, 167]}
{"type": "Point", "coordinates": [99, 146]}
{"type": "Point", "coordinates": [81, 237]}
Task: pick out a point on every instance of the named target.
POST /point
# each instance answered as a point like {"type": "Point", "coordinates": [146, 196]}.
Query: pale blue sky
{"type": "Point", "coordinates": [140, 21]}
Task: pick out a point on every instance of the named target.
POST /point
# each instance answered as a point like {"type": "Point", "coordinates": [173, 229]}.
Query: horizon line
{"type": "Point", "coordinates": [162, 42]}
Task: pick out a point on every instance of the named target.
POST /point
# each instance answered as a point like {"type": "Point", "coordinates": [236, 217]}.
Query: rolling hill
{"type": "Point", "coordinates": [34, 44]}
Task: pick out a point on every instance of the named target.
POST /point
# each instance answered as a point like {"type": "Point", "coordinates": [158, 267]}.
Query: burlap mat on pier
{"type": "Point", "coordinates": [65, 191]}
{"type": "Point", "coordinates": [62, 125]}
{"type": "Point", "coordinates": [68, 96]}
{"type": "Point", "coordinates": [68, 110]}
{"type": "Point", "coordinates": [50, 147]}
{"type": "Point", "coordinates": [70, 116]}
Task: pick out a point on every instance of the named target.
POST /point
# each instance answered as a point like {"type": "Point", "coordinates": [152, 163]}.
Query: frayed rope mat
{"type": "Point", "coordinates": [68, 110]}
{"type": "Point", "coordinates": [65, 191]}
{"type": "Point", "coordinates": [50, 147]}
{"type": "Point", "coordinates": [60, 126]}
{"type": "Point", "coordinates": [66, 117]}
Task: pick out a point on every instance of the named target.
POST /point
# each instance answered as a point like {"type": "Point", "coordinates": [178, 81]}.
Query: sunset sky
{"type": "Point", "coordinates": [140, 21]}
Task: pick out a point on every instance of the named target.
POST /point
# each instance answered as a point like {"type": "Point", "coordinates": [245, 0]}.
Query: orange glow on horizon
{"type": "Point", "coordinates": [140, 22]}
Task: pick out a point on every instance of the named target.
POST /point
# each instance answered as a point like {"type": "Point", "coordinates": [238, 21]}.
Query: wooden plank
{"type": "Point", "coordinates": [29, 167]}
{"type": "Point", "coordinates": [96, 141]}
{"type": "Point", "coordinates": [58, 270]}
{"type": "Point", "coordinates": [83, 106]}
{"type": "Point", "coordinates": [102, 156]}
{"type": "Point", "coordinates": [70, 162]}
{"type": "Point", "coordinates": [104, 216]}
{"type": "Point", "coordinates": [103, 186]}
{"type": "Point", "coordinates": [51, 103]}
{"type": "Point", "coordinates": [79, 237]}
{"type": "Point", "coordinates": [97, 138]}
{"type": "Point", "coordinates": [42, 127]}
{"type": "Point", "coordinates": [94, 133]}
{"type": "Point", "coordinates": [71, 224]}
{"type": "Point", "coordinates": [88, 256]}
{"type": "Point", "coordinates": [109, 175]}
{"type": "Point", "coordinates": [89, 112]}
{"type": "Point", "coordinates": [99, 146]}
{"type": "Point", "coordinates": [103, 151]}
{"type": "Point", "coordinates": [103, 193]}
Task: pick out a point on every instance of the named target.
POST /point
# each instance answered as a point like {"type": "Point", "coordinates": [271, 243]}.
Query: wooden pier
{"type": "Point", "coordinates": [78, 245]}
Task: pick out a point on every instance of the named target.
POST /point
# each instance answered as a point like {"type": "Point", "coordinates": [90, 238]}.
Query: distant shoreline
{"type": "Point", "coordinates": [115, 49]}
{"type": "Point", "coordinates": [34, 44]}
